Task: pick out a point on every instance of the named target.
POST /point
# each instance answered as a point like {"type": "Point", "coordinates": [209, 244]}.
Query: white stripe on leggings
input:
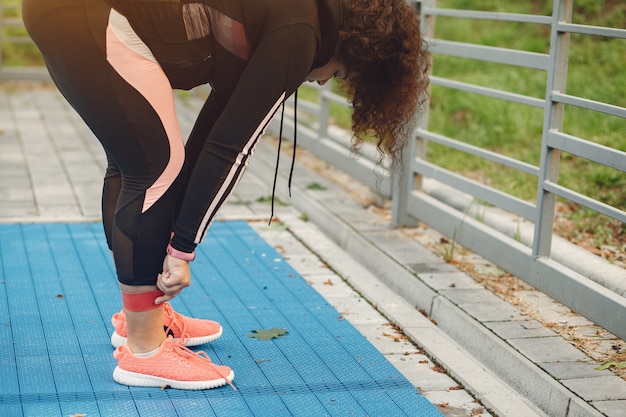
{"type": "Point", "coordinates": [233, 177]}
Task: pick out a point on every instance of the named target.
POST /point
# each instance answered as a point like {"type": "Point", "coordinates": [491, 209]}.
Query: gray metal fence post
{"type": "Point", "coordinates": [406, 180]}
{"type": "Point", "coordinates": [324, 111]}
{"type": "Point", "coordinates": [553, 120]}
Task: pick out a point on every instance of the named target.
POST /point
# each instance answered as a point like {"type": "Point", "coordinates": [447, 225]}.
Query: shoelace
{"type": "Point", "coordinates": [175, 320]}
{"type": "Point", "coordinates": [200, 358]}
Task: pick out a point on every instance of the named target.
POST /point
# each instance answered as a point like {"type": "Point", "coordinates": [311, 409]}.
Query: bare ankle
{"type": "Point", "coordinates": [145, 329]}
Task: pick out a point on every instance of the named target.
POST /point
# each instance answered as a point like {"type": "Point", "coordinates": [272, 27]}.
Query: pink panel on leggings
{"type": "Point", "coordinates": [149, 80]}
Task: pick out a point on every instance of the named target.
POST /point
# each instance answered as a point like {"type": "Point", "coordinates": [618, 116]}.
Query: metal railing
{"type": "Point", "coordinates": [562, 277]}
{"type": "Point", "coordinates": [515, 234]}
{"type": "Point", "coordinates": [447, 201]}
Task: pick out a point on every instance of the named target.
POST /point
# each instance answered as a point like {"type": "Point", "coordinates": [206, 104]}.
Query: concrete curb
{"type": "Point", "coordinates": [517, 379]}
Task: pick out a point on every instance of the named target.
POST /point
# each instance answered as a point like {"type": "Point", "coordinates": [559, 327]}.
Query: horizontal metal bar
{"type": "Point", "coordinates": [582, 295]}
{"type": "Point", "coordinates": [24, 73]}
{"type": "Point", "coordinates": [480, 152]}
{"type": "Point", "coordinates": [488, 92]}
{"type": "Point", "coordinates": [591, 30]}
{"type": "Point", "coordinates": [483, 192]}
{"type": "Point", "coordinates": [337, 154]}
{"type": "Point", "coordinates": [336, 98]}
{"type": "Point", "coordinates": [585, 201]}
{"type": "Point", "coordinates": [473, 14]}
{"type": "Point", "coordinates": [589, 104]}
{"type": "Point", "coordinates": [306, 106]}
{"type": "Point", "coordinates": [11, 22]}
{"type": "Point", "coordinates": [506, 252]}
{"type": "Point", "coordinates": [490, 54]}
{"type": "Point", "coordinates": [327, 94]}
{"type": "Point", "coordinates": [610, 157]}
{"type": "Point", "coordinates": [546, 275]}
{"type": "Point", "coordinates": [335, 134]}
{"type": "Point", "coordinates": [21, 40]}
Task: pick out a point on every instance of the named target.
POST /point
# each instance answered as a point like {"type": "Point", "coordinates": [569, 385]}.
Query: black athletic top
{"type": "Point", "coordinates": [253, 53]}
{"type": "Point", "coordinates": [184, 35]}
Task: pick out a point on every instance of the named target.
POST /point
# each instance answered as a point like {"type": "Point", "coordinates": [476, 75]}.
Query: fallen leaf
{"type": "Point", "coordinates": [607, 365]}
{"type": "Point", "coordinates": [315, 186]}
{"type": "Point", "coordinates": [392, 337]}
{"type": "Point", "coordinates": [439, 368]}
{"type": "Point", "coordinates": [478, 410]}
{"type": "Point", "coordinates": [268, 200]}
{"type": "Point", "coordinates": [270, 334]}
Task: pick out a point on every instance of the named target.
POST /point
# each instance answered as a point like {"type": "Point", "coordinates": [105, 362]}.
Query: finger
{"type": "Point", "coordinates": [170, 286]}
{"type": "Point", "coordinates": [163, 298]}
{"type": "Point", "coordinates": [168, 295]}
{"type": "Point", "coordinates": [161, 281]}
{"type": "Point", "coordinates": [173, 290]}
{"type": "Point", "coordinates": [173, 280]}
{"type": "Point", "coordinates": [170, 291]}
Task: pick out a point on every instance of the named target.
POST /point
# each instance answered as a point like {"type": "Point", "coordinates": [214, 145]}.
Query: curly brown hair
{"type": "Point", "coordinates": [387, 63]}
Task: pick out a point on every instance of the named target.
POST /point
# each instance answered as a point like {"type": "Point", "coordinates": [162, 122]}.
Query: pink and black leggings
{"type": "Point", "coordinates": [127, 102]}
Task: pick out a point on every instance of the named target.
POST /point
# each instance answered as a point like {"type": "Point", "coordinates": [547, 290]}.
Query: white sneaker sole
{"type": "Point", "coordinates": [140, 380]}
{"type": "Point", "coordinates": [117, 340]}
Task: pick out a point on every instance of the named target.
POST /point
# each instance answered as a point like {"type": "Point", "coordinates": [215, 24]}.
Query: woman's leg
{"type": "Point", "coordinates": [136, 126]}
{"type": "Point", "coordinates": [208, 115]}
{"type": "Point", "coordinates": [146, 328]}
{"type": "Point", "coordinates": [110, 194]}
{"type": "Point", "coordinates": [131, 111]}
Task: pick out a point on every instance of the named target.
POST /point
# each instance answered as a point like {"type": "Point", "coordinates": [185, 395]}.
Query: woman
{"type": "Point", "coordinates": [117, 61]}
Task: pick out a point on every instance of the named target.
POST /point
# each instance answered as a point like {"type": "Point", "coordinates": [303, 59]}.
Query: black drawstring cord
{"type": "Point", "coordinates": [280, 140]}
{"type": "Point", "coordinates": [295, 138]}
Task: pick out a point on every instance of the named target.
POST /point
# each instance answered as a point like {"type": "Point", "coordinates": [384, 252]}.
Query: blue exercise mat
{"type": "Point", "coordinates": [58, 292]}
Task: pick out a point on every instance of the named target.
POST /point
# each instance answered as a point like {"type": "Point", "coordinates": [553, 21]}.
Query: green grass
{"type": "Point", "coordinates": [339, 114]}
{"type": "Point", "coordinates": [17, 54]}
{"type": "Point", "coordinates": [595, 72]}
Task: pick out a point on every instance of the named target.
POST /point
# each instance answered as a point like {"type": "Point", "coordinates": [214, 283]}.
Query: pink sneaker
{"type": "Point", "coordinates": [192, 332]}
{"type": "Point", "coordinates": [173, 366]}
